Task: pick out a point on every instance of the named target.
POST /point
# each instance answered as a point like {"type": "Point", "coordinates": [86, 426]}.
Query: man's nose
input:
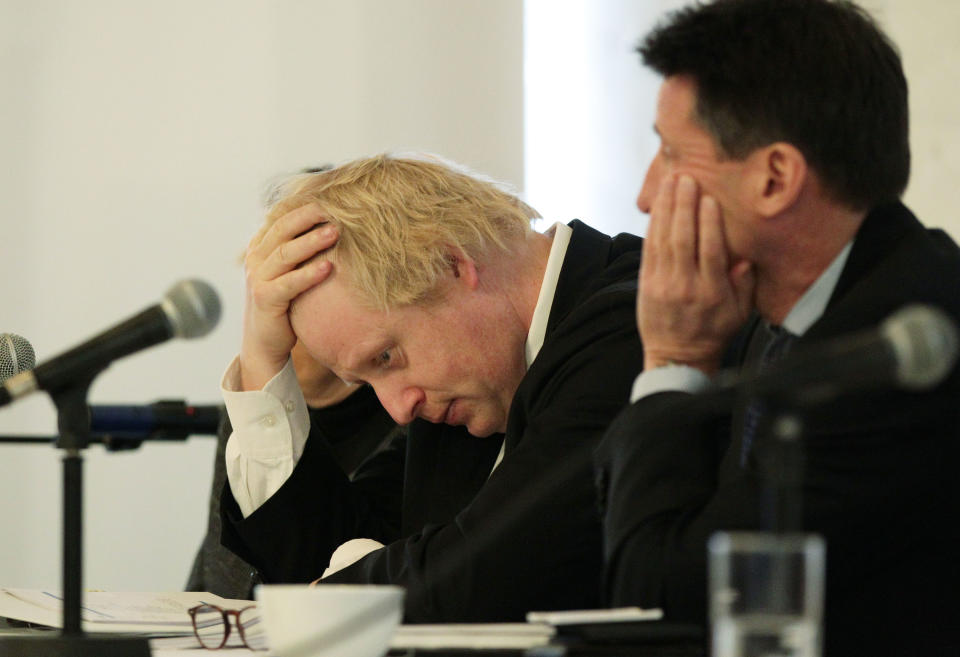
{"type": "Point", "coordinates": [402, 403]}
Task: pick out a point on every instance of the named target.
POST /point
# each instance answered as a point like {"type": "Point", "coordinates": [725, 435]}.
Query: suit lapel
{"type": "Point", "coordinates": [878, 263]}
{"type": "Point", "coordinates": [861, 298]}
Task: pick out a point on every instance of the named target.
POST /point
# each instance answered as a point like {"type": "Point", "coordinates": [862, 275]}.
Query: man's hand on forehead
{"type": "Point", "coordinates": [279, 268]}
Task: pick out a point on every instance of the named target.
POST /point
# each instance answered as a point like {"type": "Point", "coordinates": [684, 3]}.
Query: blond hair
{"type": "Point", "coordinates": [401, 218]}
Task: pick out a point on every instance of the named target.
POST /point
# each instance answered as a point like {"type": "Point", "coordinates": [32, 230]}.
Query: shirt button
{"type": "Point", "coordinates": [289, 406]}
{"type": "Point", "coordinates": [269, 421]}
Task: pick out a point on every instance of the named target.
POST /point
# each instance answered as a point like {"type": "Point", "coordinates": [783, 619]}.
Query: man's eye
{"type": "Point", "coordinates": [383, 360]}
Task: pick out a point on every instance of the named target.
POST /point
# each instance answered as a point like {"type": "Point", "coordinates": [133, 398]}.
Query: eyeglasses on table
{"type": "Point", "coordinates": [212, 626]}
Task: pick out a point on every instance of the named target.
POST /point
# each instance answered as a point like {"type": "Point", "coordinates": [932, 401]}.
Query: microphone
{"type": "Point", "coordinates": [915, 348]}
{"type": "Point", "coordinates": [125, 427]}
{"type": "Point", "coordinates": [190, 309]}
{"type": "Point", "coordinates": [16, 355]}
{"type": "Point", "coordinates": [168, 419]}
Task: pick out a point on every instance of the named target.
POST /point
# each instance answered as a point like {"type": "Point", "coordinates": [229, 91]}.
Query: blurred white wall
{"type": "Point", "coordinates": [926, 31]}
{"type": "Point", "coordinates": [588, 129]}
{"type": "Point", "coordinates": [136, 140]}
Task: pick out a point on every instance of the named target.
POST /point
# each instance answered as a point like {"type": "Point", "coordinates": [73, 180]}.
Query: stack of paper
{"type": "Point", "coordinates": [539, 630]}
{"type": "Point", "coordinates": [473, 636]}
{"type": "Point", "coordinates": [580, 616]}
{"type": "Point", "coordinates": [144, 614]}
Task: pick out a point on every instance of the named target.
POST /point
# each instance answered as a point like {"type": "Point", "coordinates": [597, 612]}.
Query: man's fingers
{"type": "Point", "coordinates": [661, 214]}
{"type": "Point", "coordinates": [257, 238]}
{"type": "Point", "coordinates": [692, 301]}
{"type": "Point", "coordinates": [289, 255]}
{"type": "Point", "coordinates": [295, 222]}
{"type": "Point", "coordinates": [279, 292]}
{"type": "Point", "coordinates": [289, 226]}
{"type": "Point", "coordinates": [683, 226]}
{"type": "Point", "coordinates": [292, 252]}
{"type": "Point", "coordinates": [713, 257]}
{"type": "Point", "coordinates": [656, 243]}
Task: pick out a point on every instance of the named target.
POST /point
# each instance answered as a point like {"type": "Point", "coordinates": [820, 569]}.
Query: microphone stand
{"type": "Point", "coordinates": [73, 422]}
{"type": "Point", "coordinates": [112, 442]}
{"type": "Point", "coordinates": [786, 467]}
{"type": "Point", "coordinates": [121, 428]}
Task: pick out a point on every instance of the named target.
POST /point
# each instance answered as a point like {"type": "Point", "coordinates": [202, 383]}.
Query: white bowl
{"type": "Point", "coordinates": [327, 620]}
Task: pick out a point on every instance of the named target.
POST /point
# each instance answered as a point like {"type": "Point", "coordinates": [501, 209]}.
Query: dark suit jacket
{"type": "Point", "coordinates": [880, 482]}
{"type": "Point", "coordinates": [353, 429]}
{"type": "Point", "coordinates": [468, 547]}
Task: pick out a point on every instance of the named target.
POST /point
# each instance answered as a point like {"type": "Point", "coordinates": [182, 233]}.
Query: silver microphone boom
{"type": "Point", "coordinates": [925, 345]}
{"type": "Point", "coordinates": [190, 309]}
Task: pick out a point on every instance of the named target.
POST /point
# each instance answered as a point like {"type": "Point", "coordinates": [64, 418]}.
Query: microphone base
{"type": "Point", "coordinates": [73, 646]}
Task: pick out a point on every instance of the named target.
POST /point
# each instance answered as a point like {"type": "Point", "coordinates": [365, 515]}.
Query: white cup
{"type": "Point", "coordinates": [326, 620]}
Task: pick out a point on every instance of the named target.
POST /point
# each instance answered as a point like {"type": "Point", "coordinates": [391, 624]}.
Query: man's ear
{"type": "Point", "coordinates": [778, 173]}
{"type": "Point", "coordinates": [463, 268]}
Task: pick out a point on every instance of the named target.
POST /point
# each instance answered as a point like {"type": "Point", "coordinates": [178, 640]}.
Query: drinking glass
{"type": "Point", "coordinates": [766, 594]}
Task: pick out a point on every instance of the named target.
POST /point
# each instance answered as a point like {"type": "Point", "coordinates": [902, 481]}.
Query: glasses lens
{"type": "Point", "coordinates": [209, 626]}
{"type": "Point", "coordinates": [251, 629]}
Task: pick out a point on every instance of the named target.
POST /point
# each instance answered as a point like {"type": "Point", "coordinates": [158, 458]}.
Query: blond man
{"type": "Point", "coordinates": [505, 351]}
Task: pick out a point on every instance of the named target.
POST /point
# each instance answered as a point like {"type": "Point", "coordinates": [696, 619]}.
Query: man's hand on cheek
{"type": "Point", "coordinates": [692, 298]}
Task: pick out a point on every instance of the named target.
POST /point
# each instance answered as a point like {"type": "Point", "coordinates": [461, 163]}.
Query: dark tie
{"type": "Point", "coordinates": [769, 344]}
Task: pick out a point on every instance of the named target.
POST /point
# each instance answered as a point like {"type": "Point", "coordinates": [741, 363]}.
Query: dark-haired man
{"type": "Point", "coordinates": [774, 211]}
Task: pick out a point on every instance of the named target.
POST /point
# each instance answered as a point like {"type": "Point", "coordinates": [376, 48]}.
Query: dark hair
{"type": "Point", "coordinates": [818, 74]}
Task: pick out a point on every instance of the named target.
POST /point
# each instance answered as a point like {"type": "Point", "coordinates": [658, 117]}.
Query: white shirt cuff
{"type": "Point", "coordinates": [680, 378]}
{"type": "Point", "coordinates": [349, 553]}
{"type": "Point", "coordinates": [270, 429]}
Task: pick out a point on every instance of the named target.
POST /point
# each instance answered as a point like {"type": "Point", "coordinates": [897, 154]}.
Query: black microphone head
{"type": "Point", "coordinates": [925, 343]}
{"type": "Point", "coordinates": [192, 307]}
{"type": "Point", "coordinates": [16, 355]}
